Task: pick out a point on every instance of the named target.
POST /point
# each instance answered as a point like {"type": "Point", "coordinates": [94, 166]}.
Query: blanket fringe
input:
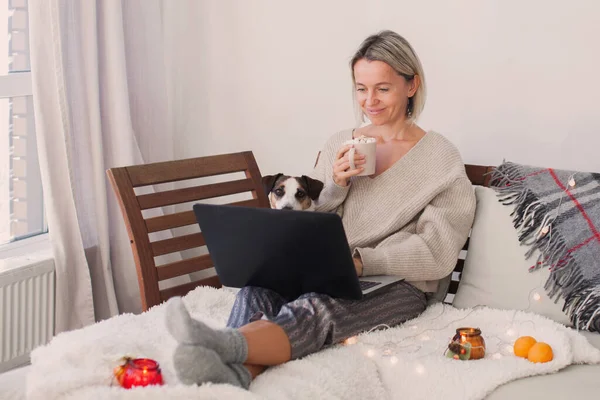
{"type": "Point", "coordinates": [583, 308]}
{"type": "Point", "coordinates": [534, 224]}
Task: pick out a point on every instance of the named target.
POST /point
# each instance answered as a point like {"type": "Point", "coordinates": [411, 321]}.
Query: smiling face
{"type": "Point", "coordinates": [381, 92]}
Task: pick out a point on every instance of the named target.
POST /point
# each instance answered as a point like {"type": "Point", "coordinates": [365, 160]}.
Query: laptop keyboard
{"type": "Point", "coordinates": [364, 285]}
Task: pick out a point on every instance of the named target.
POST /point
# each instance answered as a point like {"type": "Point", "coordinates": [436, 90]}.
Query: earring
{"type": "Point", "coordinates": [409, 107]}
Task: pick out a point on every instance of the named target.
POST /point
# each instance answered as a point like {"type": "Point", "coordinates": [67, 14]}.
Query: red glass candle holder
{"type": "Point", "coordinates": [138, 372]}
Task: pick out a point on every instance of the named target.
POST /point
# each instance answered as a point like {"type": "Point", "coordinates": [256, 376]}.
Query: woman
{"type": "Point", "coordinates": [409, 219]}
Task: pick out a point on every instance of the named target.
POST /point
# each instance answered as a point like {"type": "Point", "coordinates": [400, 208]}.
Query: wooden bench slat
{"type": "Point", "coordinates": [174, 171]}
{"type": "Point", "coordinates": [170, 221]}
{"type": "Point", "coordinates": [179, 243]}
{"type": "Point", "coordinates": [479, 174]}
{"type": "Point", "coordinates": [184, 218]}
{"type": "Point", "coordinates": [185, 195]}
{"type": "Point", "coordinates": [476, 173]}
{"type": "Point", "coordinates": [183, 267]}
{"type": "Point", "coordinates": [182, 290]}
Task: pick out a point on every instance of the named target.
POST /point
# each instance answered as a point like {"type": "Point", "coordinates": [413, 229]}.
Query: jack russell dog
{"type": "Point", "coordinates": [292, 192]}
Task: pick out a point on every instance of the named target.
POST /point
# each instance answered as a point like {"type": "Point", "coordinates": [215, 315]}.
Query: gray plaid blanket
{"type": "Point", "coordinates": [558, 213]}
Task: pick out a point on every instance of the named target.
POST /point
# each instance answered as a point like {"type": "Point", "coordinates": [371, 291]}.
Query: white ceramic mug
{"type": "Point", "coordinates": [368, 149]}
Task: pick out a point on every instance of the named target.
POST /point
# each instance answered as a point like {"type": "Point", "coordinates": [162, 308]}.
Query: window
{"type": "Point", "coordinates": [21, 205]}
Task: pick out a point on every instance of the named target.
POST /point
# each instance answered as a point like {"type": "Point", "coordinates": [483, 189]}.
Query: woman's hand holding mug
{"type": "Point", "coordinates": [355, 158]}
{"type": "Point", "coordinates": [342, 171]}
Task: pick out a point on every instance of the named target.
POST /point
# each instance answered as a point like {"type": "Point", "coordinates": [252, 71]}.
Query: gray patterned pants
{"type": "Point", "coordinates": [314, 321]}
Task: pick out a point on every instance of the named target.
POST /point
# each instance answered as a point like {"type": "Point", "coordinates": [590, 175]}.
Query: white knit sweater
{"type": "Point", "coordinates": [413, 219]}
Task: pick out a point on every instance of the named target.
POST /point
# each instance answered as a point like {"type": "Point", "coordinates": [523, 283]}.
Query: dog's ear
{"type": "Point", "coordinates": [268, 181]}
{"type": "Point", "coordinates": [313, 187]}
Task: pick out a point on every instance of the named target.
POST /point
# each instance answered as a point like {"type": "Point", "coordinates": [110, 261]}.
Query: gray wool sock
{"type": "Point", "coordinates": [244, 376]}
{"type": "Point", "coordinates": [197, 365]}
{"type": "Point", "coordinates": [229, 344]}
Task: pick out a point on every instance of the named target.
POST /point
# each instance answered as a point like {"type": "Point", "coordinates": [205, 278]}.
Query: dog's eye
{"type": "Point", "coordinates": [279, 192]}
{"type": "Point", "coordinates": [300, 194]}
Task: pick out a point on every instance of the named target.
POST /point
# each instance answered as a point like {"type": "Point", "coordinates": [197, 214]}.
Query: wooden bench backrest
{"type": "Point", "coordinates": [125, 179]}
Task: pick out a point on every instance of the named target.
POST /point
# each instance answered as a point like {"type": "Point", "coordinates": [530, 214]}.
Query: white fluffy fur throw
{"type": "Point", "coordinates": [405, 362]}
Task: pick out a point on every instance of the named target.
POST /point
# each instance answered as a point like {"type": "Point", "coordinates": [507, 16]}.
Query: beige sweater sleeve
{"type": "Point", "coordinates": [430, 253]}
{"type": "Point", "coordinates": [333, 195]}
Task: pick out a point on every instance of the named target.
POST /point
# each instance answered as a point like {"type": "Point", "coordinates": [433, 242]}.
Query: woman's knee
{"type": "Point", "coordinates": [246, 292]}
{"type": "Point", "coordinates": [250, 292]}
{"type": "Point", "coordinates": [251, 300]}
{"type": "Point", "coordinates": [251, 295]}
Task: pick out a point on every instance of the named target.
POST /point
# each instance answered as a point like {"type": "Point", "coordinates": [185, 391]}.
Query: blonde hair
{"type": "Point", "coordinates": [392, 49]}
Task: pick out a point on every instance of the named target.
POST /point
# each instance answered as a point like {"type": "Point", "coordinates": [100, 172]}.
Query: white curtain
{"type": "Point", "coordinates": [100, 99]}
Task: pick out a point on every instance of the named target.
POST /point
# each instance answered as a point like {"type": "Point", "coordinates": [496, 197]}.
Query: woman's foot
{"type": "Point", "coordinates": [197, 365]}
{"type": "Point", "coordinates": [229, 344]}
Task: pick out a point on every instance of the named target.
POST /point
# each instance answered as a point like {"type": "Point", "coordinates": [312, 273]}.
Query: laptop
{"type": "Point", "coordinates": [289, 252]}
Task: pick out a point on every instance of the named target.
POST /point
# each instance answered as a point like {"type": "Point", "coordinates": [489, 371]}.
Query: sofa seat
{"type": "Point", "coordinates": [574, 381]}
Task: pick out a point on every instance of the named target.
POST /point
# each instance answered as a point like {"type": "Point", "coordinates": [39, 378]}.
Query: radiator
{"type": "Point", "coordinates": [26, 308]}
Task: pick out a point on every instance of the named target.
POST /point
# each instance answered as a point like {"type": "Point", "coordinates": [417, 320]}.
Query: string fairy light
{"type": "Point", "coordinates": [420, 369]}
{"type": "Point", "coordinates": [351, 340]}
{"type": "Point", "coordinates": [425, 338]}
{"type": "Point", "coordinates": [535, 293]}
{"type": "Point", "coordinates": [497, 346]}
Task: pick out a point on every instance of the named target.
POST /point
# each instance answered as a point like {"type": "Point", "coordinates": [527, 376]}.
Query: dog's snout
{"type": "Point", "coordinates": [287, 208]}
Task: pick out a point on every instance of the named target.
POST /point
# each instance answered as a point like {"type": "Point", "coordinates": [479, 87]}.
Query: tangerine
{"type": "Point", "coordinates": [540, 353]}
{"type": "Point", "coordinates": [523, 345]}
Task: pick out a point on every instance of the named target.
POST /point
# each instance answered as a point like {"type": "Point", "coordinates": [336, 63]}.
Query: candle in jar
{"type": "Point", "coordinates": [139, 372]}
{"type": "Point", "coordinates": [474, 338]}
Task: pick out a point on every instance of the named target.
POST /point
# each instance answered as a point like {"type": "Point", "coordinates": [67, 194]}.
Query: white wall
{"type": "Point", "coordinates": [515, 80]}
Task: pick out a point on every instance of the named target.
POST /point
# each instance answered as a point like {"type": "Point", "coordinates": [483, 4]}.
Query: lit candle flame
{"type": "Point", "coordinates": [351, 340]}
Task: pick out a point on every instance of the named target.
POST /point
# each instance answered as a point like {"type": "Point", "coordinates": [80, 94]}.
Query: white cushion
{"type": "Point", "coordinates": [496, 273]}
